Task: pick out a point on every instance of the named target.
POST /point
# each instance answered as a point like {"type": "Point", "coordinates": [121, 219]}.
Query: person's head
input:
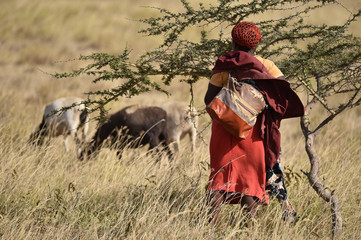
{"type": "Point", "coordinates": [245, 36]}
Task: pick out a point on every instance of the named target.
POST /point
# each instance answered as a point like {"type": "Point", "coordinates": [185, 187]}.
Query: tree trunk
{"type": "Point", "coordinates": [322, 191]}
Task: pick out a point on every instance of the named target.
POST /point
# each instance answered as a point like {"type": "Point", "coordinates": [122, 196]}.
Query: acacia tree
{"type": "Point", "coordinates": [328, 67]}
{"type": "Point", "coordinates": [323, 59]}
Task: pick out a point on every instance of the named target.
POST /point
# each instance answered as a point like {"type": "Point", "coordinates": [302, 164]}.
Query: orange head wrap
{"type": "Point", "coordinates": [246, 34]}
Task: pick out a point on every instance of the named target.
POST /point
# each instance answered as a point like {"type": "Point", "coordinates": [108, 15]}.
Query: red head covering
{"type": "Point", "coordinates": [246, 34]}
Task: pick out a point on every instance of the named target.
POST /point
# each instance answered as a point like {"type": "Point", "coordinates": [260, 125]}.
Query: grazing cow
{"type": "Point", "coordinates": [134, 126]}
{"type": "Point", "coordinates": [66, 123]}
{"type": "Point", "coordinates": [181, 121]}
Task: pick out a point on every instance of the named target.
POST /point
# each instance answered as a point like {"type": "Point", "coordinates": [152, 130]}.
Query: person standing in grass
{"type": "Point", "coordinates": [238, 166]}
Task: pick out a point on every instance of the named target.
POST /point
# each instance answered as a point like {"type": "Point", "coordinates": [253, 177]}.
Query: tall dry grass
{"type": "Point", "coordinates": [46, 193]}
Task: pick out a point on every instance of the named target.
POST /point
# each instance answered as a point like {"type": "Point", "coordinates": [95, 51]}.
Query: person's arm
{"type": "Point", "coordinates": [218, 80]}
{"type": "Point", "coordinates": [212, 91]}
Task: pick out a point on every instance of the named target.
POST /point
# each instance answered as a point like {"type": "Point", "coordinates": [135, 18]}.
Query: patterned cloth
{"type": "Point", "coordinates": [275, 187]}
{"type": "Point", "coordinates": [275, 184]}
{"type": "Point", "coordinates": [246, 34]}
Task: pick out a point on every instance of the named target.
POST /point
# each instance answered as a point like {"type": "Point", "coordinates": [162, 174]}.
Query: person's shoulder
{"type": "Point", "coordinates": [270, 66]}
{"type": "Point", "coordinates": [264, 61]}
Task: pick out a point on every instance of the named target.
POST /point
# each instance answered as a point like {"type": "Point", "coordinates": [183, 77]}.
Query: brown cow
{"type": "Point", "coordinates": [132, 126]}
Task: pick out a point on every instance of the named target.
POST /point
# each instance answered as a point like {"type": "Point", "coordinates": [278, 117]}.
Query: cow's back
{"type": "Point", "coordinates": [60, 122]}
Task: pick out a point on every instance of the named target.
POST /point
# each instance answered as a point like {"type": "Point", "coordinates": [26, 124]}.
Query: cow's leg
{"type": "Point", "coordinates": [176, 143]}
{"type": "Point", "coordinates": [153, 141]}
{"type": "Point", "coordinates": [154, 145]}
{"type": "Point", "coordinates": [66, 142]}
{"type": "Point", "coordinates": [74, 135]}
{"type": "Point", "coordinates": [167, 149]}
{"type": "Point", "coordinates": [85, 131]}
{"type": "Point", "coordinates": [39, 135]}
{"type": "Point", "coordinates": [193, 137]}
{"type": "Point", "coordinates": [83, 123]}
{"type": "Point", "coordinates": [79, 143]}
{"type": "Point", "coordinates": [119, 154]}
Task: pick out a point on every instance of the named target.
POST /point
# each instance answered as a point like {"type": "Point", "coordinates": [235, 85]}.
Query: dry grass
{"type": "Point", "coordinates": [46, 193]}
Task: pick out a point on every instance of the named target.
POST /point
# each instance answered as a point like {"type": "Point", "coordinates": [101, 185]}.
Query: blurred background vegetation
{"type": "Point", "coordinates": [47, 193]}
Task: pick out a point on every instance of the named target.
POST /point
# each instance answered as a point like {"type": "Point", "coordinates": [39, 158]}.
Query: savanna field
{"type": "Point", "coordinates": [47, 193]}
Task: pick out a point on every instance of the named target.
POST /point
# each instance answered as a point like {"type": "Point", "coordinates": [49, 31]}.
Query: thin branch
{"type": "Point", "coordinates": [317, 96]}
{"type": "Point", "coordinates": [339, 110]}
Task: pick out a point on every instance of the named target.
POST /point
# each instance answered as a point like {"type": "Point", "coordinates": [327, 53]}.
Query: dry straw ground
{"type": "Point", "coordinates": [46, 193]}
